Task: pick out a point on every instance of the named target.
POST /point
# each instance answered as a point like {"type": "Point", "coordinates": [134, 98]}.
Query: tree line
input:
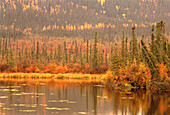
{"type": "Point", "coordinates": [90, 56]}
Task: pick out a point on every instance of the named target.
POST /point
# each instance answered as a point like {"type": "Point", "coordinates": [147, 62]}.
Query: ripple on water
{"type": "Point", "coordinates": [55, 108]}
{"type": "Point", "coordinates": [27, 111]}
{"type": "Point", "coordinates": [8, 109]}
{"type": "Point", "coordinates": [3, 97]}
{"type": "Point", "coordinates": [6, 90]}
{"type": "Point", "coordinates": [61, 101]}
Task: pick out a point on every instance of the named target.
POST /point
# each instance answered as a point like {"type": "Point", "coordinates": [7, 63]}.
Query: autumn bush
{"type": "Point", "coordinates": [4, 67]}
{"type": "Point", "coordinates": [138, 75]}
{"type": "Point", "coordinates": [163, 75]}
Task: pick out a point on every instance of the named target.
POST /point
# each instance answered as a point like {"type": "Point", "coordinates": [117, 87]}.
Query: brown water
{"type": "Point", "coordinates": [76, 98]}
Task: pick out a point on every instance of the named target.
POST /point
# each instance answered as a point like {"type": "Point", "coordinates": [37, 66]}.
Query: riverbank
{"type": "Point", "coordinates": [108, 80]}
{"type": "Point", "coordinates": [136, 81]}
{"type": "Point", "coordinates": [52, 76]}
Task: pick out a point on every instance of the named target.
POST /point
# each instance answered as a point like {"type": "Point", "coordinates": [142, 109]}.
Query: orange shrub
{"type": "Point", "coordinates": [163, 72]}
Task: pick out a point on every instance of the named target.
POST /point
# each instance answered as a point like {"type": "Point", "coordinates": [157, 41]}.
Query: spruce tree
{"type": "Point", "coordinates": [150, 59]}
{"type": "Point", "coordinates": [65, 52]}
{"type": "Point", "coordinates": [74, 58]}
{"type": "Point", "coordinates": [95, 51]}
{"type": "Point", "coordinates": [123, 46]}
{"type": "Point", "coordinates": [152, 45]}
{"type": "Point", "coordinates": [59, 53]}
{"type": "Point", "coordinates": [87, 52]}
{"type": "Point", "coordinates": [69, 56]}
{"type": "Point", "coordinates": [6, 45]}
{"type": "Point", "coordinates": [11, 58]}
{"type": "Point", "coordinates": [90, 55]}
{"type": "Point", "coordinates": [134, 44]}
{"type": "Point", "coordinates": [38, 51]}
{"type": "Point", "coordinates": [102, 57]}
{"type": "Point", "coordinates": [51, 52]}
{"type": "Point", "coordinates": [55, 54]}
{"type": "Point", "coordinates": [111, 53]}
{"type": "Point", "coordinates": [169, 50]}
{"type": "Point", "coordinates": [131, 52]}
{"type": "Point", "coordinates": [76, 49]}
{"type": "Point", "coordinates": [80, 55]}
{"type": "Point", "coordinates": [26, 52]}
{"type": "Point", "coordinates": [158, 34]}
{"type": "Point", "coordinates": [158, 42]}
{"type": "Point", "coordinates": [106, 60]}
{"type": "Point", "coordinates": [0, 45]}
{"type": "Point", "coordinates": [117, 60]}
{"type": "Point", "coordinates": [19, 56]}
{"type": "Point", "coordinates": [126, 49]}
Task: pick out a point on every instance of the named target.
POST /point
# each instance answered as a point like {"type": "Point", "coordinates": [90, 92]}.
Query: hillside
{"type": "Point", "coordinates": [80, 18]}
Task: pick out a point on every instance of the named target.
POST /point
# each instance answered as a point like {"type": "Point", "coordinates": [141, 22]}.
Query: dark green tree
{"type": "Point", "coordinates": [123, 45]}
{"type": "Point", "coordinates": [152, 45]}
{"type": "Point", "coordinates": [134, 45]}
{"type": "Point", "coordinates": [126, 50]}
{"type": "Point", "coordinates": [95, 51]}
{"type": "Point", "coordinates": [65, 52]}
{"type": "Point", "coordinates": [38, 51]}
{"type": "Point", "coordinates": [81, 55]}
{"type": "Point", "coordinates": [87, 52]}
{"type": "Point", "coordinates": [117, 60]}
{"type": "Point", "coordinates": [59, 53]}
{"type": "Point", "coordinates": [150, 59]}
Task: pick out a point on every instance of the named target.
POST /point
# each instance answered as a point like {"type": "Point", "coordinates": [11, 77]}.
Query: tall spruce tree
{"type": "Point", "coordinates": [126, 49]}
{"type": "Point", "coordinates": [80, 55]}
{"type": "Point", "coordinates": [123, 46]}
{"type": "Point", "coordinates": [158, 42]}
{"type": "Point", "coordinates": [90, 59]}
{"type": "Point", "coordinates": [134, 45]}
{"type": "Point", "coordinates": [59, 53]}
{"type": "Point", "coordinates": [95, 51]}
{"type": "Point", "coordinates": [38, 51]}
{"type": "Point", "coordinates": [152, 45]}
{"type": "Point", "coordinates": [87, 52]}
{"type": "Point", "coordinates": [150, 59]}
{"type": "Point", "coordinates": [117, 60]}
{"type": "Point", "coordinates": [65, 52]}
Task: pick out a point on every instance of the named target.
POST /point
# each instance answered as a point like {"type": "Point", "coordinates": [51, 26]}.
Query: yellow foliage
{"type": "Point", "coordinates": [37, 70]}
{"type": "Point", "coordinates": [44, 28]}
{"type": "Point", "coordinates": [110, 75]}
{"type": "Point", "coordinates": [15, 68]}
{"type": "Point", "coordinates": [163, 72]}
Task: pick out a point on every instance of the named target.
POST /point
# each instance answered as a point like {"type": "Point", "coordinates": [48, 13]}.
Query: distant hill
{"type": "Point", "coordinates": [80, 18]}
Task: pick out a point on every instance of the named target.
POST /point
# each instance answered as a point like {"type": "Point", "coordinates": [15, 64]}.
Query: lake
{"type": "Point", "coordinates": [76, 97]}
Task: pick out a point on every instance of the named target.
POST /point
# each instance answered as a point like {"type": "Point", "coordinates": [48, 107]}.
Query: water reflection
{"type": "Point", "coordinates": [65, 97]}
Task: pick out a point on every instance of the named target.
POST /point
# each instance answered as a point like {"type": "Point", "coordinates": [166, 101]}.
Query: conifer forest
{"type": "Point", "coordinates": [118, 44]}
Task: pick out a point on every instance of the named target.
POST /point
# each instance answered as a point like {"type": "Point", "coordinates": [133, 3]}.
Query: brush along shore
{"type": "Point", "coordinates": [107, 81]}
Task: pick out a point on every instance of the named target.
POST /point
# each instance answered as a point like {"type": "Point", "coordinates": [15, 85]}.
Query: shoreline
{"type": "Point", "coordinates": [79, 77]}
{"type": "Point", "coordinates": [53, 76]}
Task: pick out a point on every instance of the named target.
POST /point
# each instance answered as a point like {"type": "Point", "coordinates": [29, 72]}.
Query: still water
{"type": "Point", "coordinates": [75, 97]}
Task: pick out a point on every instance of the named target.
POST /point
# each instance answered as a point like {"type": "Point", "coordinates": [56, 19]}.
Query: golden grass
{"type": "Point", "coordinates": [51, 76]}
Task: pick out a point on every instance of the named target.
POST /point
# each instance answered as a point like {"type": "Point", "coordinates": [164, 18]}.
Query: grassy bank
{"type": "Point", "coordinates": [109, 80]}
{"type": "Point", "coordinates": [51, 76]}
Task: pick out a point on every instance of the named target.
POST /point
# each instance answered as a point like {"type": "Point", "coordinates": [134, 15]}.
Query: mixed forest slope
{"type": "Point", "coordinates": [76, 18]}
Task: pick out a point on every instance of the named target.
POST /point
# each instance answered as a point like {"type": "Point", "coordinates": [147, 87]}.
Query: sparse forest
{"type": "Point", "coordinates": [129, 60]}
{"type": "Point", "coordinates": [48, 36]}
{"type": "Point", "coordinates": [84, 57]}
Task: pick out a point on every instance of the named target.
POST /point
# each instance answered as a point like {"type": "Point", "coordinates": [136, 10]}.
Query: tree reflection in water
{"type": "Point", "coordinates": [144, 103]}
{"type": "Point", "coordinates": [67, 97]}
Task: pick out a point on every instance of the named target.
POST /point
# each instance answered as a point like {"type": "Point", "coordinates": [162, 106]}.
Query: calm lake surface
{"type": "Point", "coordinates": [75, 97]}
